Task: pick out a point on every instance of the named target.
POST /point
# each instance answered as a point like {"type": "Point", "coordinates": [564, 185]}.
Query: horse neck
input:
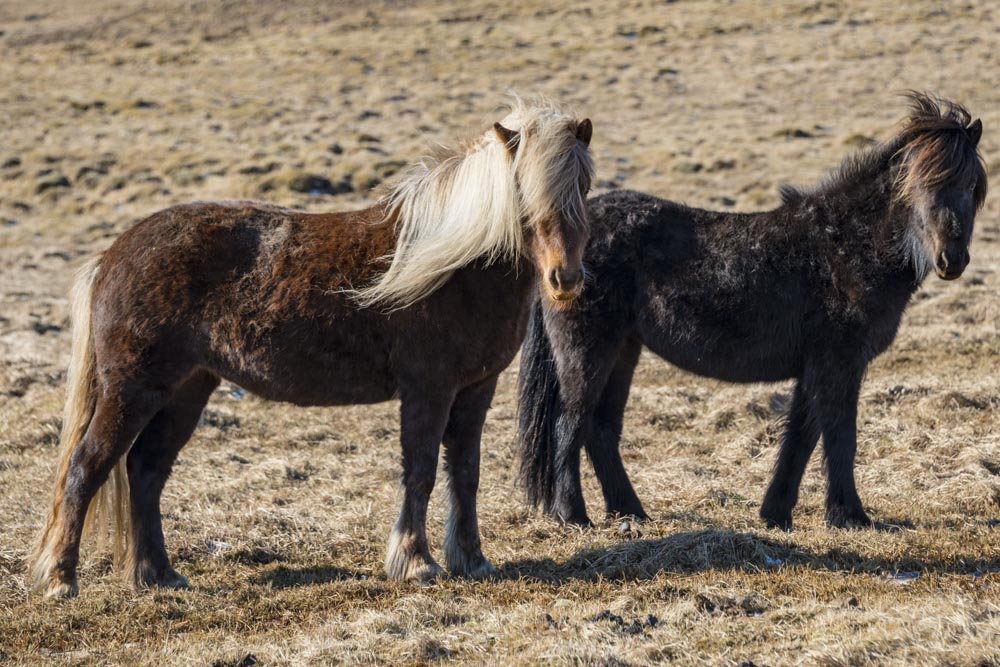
{"type": "Point", "coordinates": [885, 220]}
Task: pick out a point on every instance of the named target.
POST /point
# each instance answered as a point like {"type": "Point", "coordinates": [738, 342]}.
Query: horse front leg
{"type": "Point", "coordinates": [462, 439]}
{"type": "Point", "coordinates": [843, 504]}
{"type": "Point", "coordinates": [584, 358]}
{"type": "Point", "coordinates": [836, 393]}
{"type": "Point", "coordinates": [797, 445]}
{"type": "Point", "coordinates": [423, 416]}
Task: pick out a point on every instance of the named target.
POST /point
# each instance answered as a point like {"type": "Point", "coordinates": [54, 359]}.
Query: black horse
{"type": "Point", "coordinates": [813, 290]}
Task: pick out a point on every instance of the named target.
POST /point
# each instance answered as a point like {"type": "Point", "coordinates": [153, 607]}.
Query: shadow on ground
{"type": "Point", "coordinates": [696, 551]}
{"type": "Point", "coordinates": [291, 577]}
{"type": "Point", "coordinates": [681, 553]}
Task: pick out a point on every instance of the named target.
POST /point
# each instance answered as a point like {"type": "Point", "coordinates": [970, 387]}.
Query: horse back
{"type": "Point", "coordinates": [718, 294]}
{"type": "Point", "coordinates": [745, 297]}
{"type": "Point", "coordinates": [257, 293]}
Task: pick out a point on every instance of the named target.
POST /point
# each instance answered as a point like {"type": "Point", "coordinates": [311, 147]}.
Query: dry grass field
{"type": "Point", "coordinates": [111, 109]}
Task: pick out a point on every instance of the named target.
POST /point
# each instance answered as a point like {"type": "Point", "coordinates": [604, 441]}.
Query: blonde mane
{"type": "Point", "coordinates": [460, 205]}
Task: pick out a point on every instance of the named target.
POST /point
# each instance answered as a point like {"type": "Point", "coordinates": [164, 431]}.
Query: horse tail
{"type": "Point", "coordinates": [81, 399]}
{"type": "Point", "coordinates": [538, 410]}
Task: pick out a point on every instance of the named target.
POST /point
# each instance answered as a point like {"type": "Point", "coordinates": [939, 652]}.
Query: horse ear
{"type": "Point", "coordinates": [508, 137]}
{"type": "Point", "coordinates": [584, 131]}
{"type": "Point", "coordinates": [975, 131]}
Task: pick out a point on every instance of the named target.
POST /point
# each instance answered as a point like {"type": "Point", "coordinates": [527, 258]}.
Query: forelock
{"type": "Point", "coordinates": [937, 150]}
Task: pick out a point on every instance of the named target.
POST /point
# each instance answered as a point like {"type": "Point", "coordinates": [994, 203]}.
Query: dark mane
{"type": "Point", "coordinates": [939, 150]}
{"type": "Point", "coordinates": [934, 144]}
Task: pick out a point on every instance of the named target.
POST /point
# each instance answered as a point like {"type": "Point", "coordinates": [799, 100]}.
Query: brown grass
{"type": "Point", "coordinates": [279, 515]}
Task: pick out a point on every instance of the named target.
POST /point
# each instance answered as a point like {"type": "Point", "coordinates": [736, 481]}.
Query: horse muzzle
{"type": "Point", "coordinates": [949, 265]}
{"type": "Point", "coordinates": [562, 285]}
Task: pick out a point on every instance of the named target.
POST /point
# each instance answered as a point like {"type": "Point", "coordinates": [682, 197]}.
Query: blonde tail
{"type": "Point", "coordinates": [111, 504]}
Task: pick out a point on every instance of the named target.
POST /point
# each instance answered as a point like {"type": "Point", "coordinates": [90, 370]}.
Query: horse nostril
{"type": "Point", "coordinates": [942, 261]}
{"type": "Point", "coordinates": [554, 279]}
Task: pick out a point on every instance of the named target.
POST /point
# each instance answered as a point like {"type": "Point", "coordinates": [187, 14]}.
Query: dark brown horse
{"type": "Point", "coordinates": [813, 290]}
{"type": "Point", "coordinates": [309, 309]}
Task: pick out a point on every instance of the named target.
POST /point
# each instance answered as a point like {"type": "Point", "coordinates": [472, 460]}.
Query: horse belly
{"type": "Point", "coordinates": [732, 363]}
{"type": "Point", "coordinates": [311, 367]}
{"type": "Point", "coordinates": [746, 346]}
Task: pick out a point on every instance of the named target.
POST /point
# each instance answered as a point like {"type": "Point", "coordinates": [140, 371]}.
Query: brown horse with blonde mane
{"type": "Point", "coordinates": [424, 296]}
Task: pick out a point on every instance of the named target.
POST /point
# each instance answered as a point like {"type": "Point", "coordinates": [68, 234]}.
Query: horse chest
{"type": "Point", "coordinates": [463, 336]}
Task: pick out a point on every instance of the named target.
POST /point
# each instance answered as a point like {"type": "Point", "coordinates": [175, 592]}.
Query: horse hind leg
{"type": "Point", "coordinates": [462, 439]}
{"type": "Point", "coordinates": [603, 448]}
{"type": "Point", "coordinates": [120, 413]}
{"type": "Point", "coordinates": [149, 464]}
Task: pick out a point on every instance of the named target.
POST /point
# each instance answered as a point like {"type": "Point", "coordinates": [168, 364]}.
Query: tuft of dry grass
{"type": "Point", "coordinates": [279, 515]}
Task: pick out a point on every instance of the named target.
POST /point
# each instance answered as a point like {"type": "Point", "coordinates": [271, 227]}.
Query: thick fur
{"type": "Point", "coordinates": [813, 290]}
{"type": "Point", "coordinates": [263, 296]}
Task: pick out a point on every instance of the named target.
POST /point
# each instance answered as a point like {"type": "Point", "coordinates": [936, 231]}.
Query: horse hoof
{"type": "Point", "coordinates": [843, 517]}
{"type": "Point", "coordinates": [579, 520]}
{"type": "Point", "coordinates": [779, 524]}
{"type": "Point", "coordinates": [484, 571]}
{"type": "Point", "coordinates": [473, 566]}
{"type": "Point", "coordinates": [776, 514]}
{"type": "Point", "coordinates": [61, 590]}
{"type": "Point", "coordinates": [173, 579]}
{"type": "Point", "coordinates": [638, 516]}
{"type": "Point", "coordinates": [480, 570]}
{"type": "Point", "coordinates": [777, 520]}
{"type": "Point", "coordinates": [147, 577]}
{"type": "Point", "coordinates": [426, 573]}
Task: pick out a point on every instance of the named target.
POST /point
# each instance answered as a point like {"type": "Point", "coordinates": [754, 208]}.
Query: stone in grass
{"type": "Point", "coordinates": [319, 185]}
{"type": "Point", "coordinates": [42, 328]}
{"type": "Point", "coordinates": [793, 133]}
{"type": "Point", "coordinates": [635, 627]}
{"type": "Point", "coordinates": [723, 201]}
{"type": "Point", "coordinates": [689, 167]}
{"type": "Point", "coordinates": [860, 141]}
{"type": "Point", "coordinates": [254, 169]}
{"type": "Point", "coordinates": [389, 168]}
{"type": "Point", "coordinates": [52, 180]}
{"type": "Point", "coordinates": [248, 660]}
